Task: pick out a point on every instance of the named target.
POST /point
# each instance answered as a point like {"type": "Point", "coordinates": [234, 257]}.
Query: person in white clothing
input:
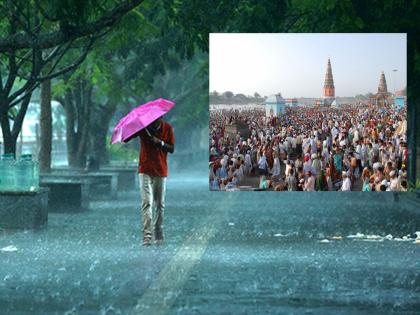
{"type": "Point", "coordinates": [316, 165]}
{"type": "Point", "coordinates": [262, 164]}
{"type": "Point", "coordinates": [394, 184]}
{"type": "Point", "coordinates": [275, 171]}
{"type": "Point", "coordinates": [346, 186]}
{"type": "Point", "coordinates": [310, 182]}
{"type": "Point", "coordinates": [248, 162]}
{"type": "Point", "coordinates": [307, 165]}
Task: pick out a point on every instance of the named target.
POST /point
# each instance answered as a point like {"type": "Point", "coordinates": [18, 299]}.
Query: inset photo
{"type": "Point", "coordinates": [308, 112]}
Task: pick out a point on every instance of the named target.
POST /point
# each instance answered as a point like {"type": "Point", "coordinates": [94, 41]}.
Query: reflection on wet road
{"type": "Point", "coordinates": [225, 253]}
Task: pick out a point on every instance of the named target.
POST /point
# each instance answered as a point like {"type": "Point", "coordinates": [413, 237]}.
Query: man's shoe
{"type": "Point", "coordinates": [147, 242]}
{"type": "Point", "coordinates": [159, 241]}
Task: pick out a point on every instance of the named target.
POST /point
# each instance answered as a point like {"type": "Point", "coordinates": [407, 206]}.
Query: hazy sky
{"type": "Point", "coordinates": [295, 64]}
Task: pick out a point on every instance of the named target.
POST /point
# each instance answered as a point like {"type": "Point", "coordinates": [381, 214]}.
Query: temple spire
{"type": "Point", "coordinates": [382, 87]}
{"type": "Point", "coordinates": [382, 95]}
{"type": "Point", "coordinates": [329, 89]}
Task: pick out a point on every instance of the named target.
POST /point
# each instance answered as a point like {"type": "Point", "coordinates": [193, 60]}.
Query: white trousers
{"type": "Point", "coordinates": [152, 192]}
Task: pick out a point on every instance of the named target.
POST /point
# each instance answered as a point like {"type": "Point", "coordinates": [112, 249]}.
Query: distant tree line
{"type": "Point", "coordinates": [229, 97]}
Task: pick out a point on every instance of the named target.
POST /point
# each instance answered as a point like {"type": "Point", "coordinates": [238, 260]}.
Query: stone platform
{"type": "Point", "coordinates": [126, 176]}
{"type": "Point", "coordinates": [98, 185]}
{"type": "Point", "coordinates": [67, 194]}
{"type": "Point", "coordinates": [23, 210]}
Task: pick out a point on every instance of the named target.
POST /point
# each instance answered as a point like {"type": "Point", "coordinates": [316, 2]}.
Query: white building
{"type": "Point", "coordinates": [274, 105]}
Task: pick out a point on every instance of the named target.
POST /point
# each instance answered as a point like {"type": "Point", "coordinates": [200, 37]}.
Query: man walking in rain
{"type": "Point", "coordinates": [155, 142]}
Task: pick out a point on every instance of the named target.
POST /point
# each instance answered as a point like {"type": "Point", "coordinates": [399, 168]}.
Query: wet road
{"type": "Point", "coordinates": [225, 253]}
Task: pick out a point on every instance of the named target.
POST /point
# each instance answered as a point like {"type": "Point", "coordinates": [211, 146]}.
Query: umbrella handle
{"type": "Point", "coordinates": [147, 130]}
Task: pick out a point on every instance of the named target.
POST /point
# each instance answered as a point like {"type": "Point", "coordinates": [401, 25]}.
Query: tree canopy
{"type": "Point", "coordinates": [35, 38]}
{"type": "Point", "coordinates": [127, 51]}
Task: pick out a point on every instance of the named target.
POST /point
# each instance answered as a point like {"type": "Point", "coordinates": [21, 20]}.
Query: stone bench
{"type": "Point", "coordinates": [24, 210]}
{"type": "Point", "coordinates": [101, 185]}
{"type": "Point", "coordinates": [127, 177]}
{"type": "Point", "coordinates": [67, 194]}
{"type": "Point", "coordinates": [124, 178]}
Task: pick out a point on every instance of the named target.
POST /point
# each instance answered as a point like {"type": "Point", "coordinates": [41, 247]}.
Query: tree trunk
{"type": "Point", "coordinates": [98, 144]}
{"type": "Point", "coordinates": [86, 126]}
{"type": "Point", "coordinates": [100, 123]}
{"type": "Point", "coordinates": [8, 144]}
{"type": "Point", "coordinates": [10, 135]}
{"type": "Point", "coordinates": [45, 128]}
{"type": "Point", "coordinates": [84, 104]}
{"type": "Point", "coordinates": [77, 103]}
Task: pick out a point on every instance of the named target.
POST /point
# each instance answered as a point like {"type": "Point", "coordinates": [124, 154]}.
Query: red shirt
{"type": "Point", "coordinates": [152, 158]}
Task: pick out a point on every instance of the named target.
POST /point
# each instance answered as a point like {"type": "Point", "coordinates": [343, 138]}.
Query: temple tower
{"type": "Point", "coordinates": [329, 89]}
{"type": "Point", "coordinates": [382, 87]}
{"type": "Point", "coordinates": [382, 94]}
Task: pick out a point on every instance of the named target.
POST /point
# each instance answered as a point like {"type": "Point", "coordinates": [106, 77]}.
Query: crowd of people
{"type": "Point", "coordinates": [359, 147]}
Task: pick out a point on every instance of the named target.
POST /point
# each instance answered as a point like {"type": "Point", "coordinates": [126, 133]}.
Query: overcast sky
{"type": "Point", "coordinates": [295, 64]}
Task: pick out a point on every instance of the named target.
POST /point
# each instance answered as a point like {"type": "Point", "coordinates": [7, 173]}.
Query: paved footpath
{"type": "Point", "coordinates": [225, 253]}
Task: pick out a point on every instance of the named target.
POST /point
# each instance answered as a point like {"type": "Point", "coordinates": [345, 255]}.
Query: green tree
{"type": "Point", "coordinates": [115, 76]}
{"type": "Point", "coordinates": [228, 95]}
{"type": "Point", "coordinates": [34, 34]}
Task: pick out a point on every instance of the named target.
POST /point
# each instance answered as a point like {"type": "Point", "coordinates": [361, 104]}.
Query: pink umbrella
{"type": "Point", "coordinates": [139, 118]}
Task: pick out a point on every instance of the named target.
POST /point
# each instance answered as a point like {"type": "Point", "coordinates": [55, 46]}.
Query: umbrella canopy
{"type": "Point", "coordinates": [139, 118]}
